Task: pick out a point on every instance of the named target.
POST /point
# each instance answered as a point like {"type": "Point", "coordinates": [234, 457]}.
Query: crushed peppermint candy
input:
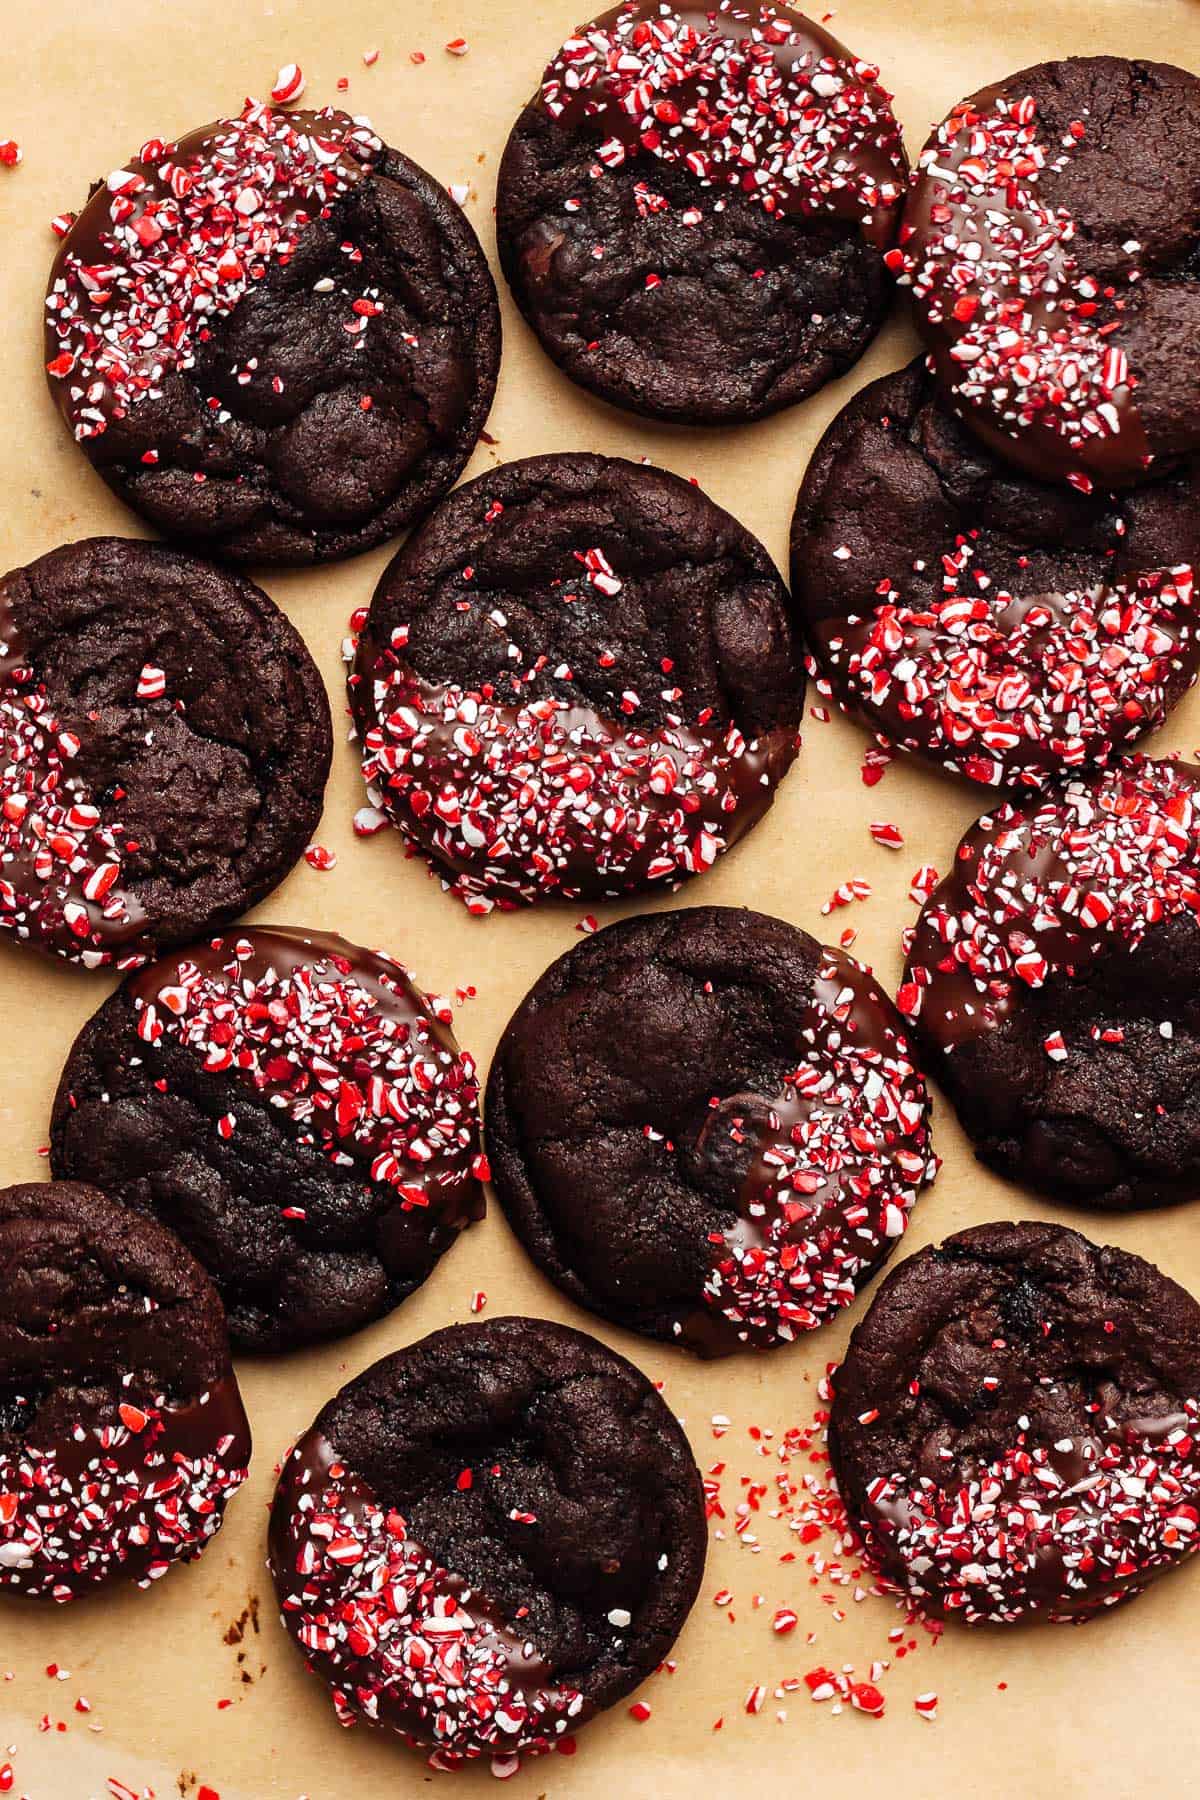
{"type": "Point", "coordinates": [341, 1044]}
{"type": "Point", "coordinates": [528, 798]}
{"type": "Point", "coordinates": [401, 1640]}
{"type": "Point", "coordinates": [1065, 1529]}
{"type": "Point", "coordinates": [751, 100]}
{"type": "Point", "coordinates": [1037, 891]}
{"type": "Point", "coordinates": [173, 242]}
{"type": "Point", "coordinates": [1021, 330]}
{"type": "Point", "coordinates": [1012, 690]}
{"type": "Point", "coordinates": [128, 1497]}
{"type": "Point", "coordinates": [839, 1162]}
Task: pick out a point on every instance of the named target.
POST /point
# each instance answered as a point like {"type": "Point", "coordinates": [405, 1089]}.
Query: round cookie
{"type": "Point", "coordinates": [488, 1537]}
{"type": "Point", "coordinates": [122, 1433]}
{"type": "Point", "coordinates": [707, 1128]}
{"type": "Point", "coordinates": [577, 679]}
{"type": "Point", "coordinates": [1008, 629]}
{"type": "Point", "coordinates": [277, 338]}
{"type": "Point", "coordinates": [1050, 240]}
{"type": "Point", "coordinates": [165, 744]}
{"type": "Point", "coordinates": [296, 1110]}
{"type": "Point", "coordinates": [692, 210]}
{"type": "Point", "coordinates": [1052, 980]}
{"type": "Point", "coordinates": [1014, 1428]}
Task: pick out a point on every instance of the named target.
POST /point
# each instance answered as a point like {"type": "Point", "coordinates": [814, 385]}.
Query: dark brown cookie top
{"type": "Point", "coordinates": [296, 1109]}
{"type": "Point", "coordinates": [122, 1433]}
{"type": "Point", "coordinates": [1014, 1426]}
{"type": "Point", "coordinates": [1007, 628]}
{"type": "Point", "coordinates": [1050, 241]}
{"type": "Point", "coordinates": [578, 678]}
{"type": "Point", "coordinates": [166, 739]}
{"type": "Point", "coordinates": [1052, 980]}
{"type": "Point", "coordinates": [693, 207]}
{"type": "Point", "coordinates": [707, 1128]}
{"type": "Point", "coordinates": [277, 338]}
{"type": "Point", "coordinates": [488, 1537]}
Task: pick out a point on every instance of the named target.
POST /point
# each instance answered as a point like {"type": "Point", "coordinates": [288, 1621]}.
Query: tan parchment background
{"type": "Point", "coordinates": [1107, 1711]}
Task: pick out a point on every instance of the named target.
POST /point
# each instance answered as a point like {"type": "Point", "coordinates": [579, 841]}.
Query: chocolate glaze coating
{"type": "Point", "coordinates": [1050, 981]}
{"type": "Point", "coordinates": [578, 1530]}
{"type": "Point", "coordinates": [640, 1122]}
{"type": "Point", "coordinates": [166, 735]}
{"type": "Point", "coordinates": [258, 445]}
{"type": "Point", "coordinates": [107, 1326]}
{"type": "Point", "coordinates": [1115, 213]}
{"type": "Point", "coordinates": [1023, 1345]}
{"type": "Point", "coordinates": [312, 1222]}
{"type": "Point", "coordinates": [920, 558]}
{"type": "Point", "coordinates": [653, 270]}
{"type": "Point", "coordinates": [578, 678]}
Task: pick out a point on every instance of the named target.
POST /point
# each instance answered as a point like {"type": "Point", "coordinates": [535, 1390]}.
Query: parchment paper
{"type": "Point", "coordinates": [1109, 1710]}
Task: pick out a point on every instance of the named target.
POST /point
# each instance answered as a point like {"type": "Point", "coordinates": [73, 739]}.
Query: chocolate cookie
{"type": "Point", "coordinates": [488, 1537]}
{"type": "Point", "coordinates": [577, 679]}
{"type": "Point", "coordinates": [296, 1110]}
{"type": "Point", "coordinates": [1014, 1428]}
{"type": "Point", "coordinates": [165, 740]}
{"type": "Point", "coordinates": [1053, 981]}
{"type": "Point", "coordinates": [1052, 244]}
{"type": "Point", "coordinates": [693, 208]}
{"type": "Point", "coordinates": [1006, 628]}
{"type": "Point", "coordinates": [707, 1128]}
{"type": "Point", "coordinates": [122, 1434]}
{"type": "Point", "coordinates": [276, 337]}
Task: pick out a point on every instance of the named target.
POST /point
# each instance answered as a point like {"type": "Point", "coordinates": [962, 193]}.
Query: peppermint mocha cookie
{"type": "Point", "coordinates": [1014, 1428]}
{"type": "Point", "coordinates": [1009, 629]}
{"type": "Point", "coordinates": [296, 1110]}
{"type": "Point", "coordinates": [708, 1129]}
{"type": "Point", "coordinates": [1053, 979]}
{"type": "Point", "coordinates": [276, 337]}
{"type": "Point", "coordinates": [1050, 241]}
{"type": "Point", "coordinates": [693, 208]}
{"type": "Point", "coordinates": [122, 1434]}
{"type": "Point", "coordinates": [165, 740]}
{"type": "Point", "coordinates": [577, 679]}
{"type": "Point", "coordinates": [488, 1537]}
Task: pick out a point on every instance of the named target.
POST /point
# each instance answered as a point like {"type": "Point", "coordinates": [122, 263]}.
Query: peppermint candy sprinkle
{"type": "Point", "coordinates": [342, 1045]}
{"type": "Point", "coordinates": [174, 242]}
{"type": "Point", "coordinates": [401, 1640]}
{"type": "Point", "coordinates": [750, 99]}
{"type": "Point", "coordinates": [838, 1170]}
{"type": "Point", "coordinates": [1065, 1529]}
{"type": "Point", "coordinates": [132, 1496]}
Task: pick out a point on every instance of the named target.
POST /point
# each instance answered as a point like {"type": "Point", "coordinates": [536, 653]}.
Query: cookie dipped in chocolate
{"type": "Point", "coordinates": [693, 206]}
{"type": "Point", "coordinates": [578, 679]}
{"type": "Point", "coordinates": [1049, 241]}
{"type": "Point", "coordinates": [487, 1537]}
{"type": "Point", "coordinates": [122, 1432]}
{"type": "Point", "coordinates": [297, 1110]}
{"type": "Point", "coordinates": [1049, 984]}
